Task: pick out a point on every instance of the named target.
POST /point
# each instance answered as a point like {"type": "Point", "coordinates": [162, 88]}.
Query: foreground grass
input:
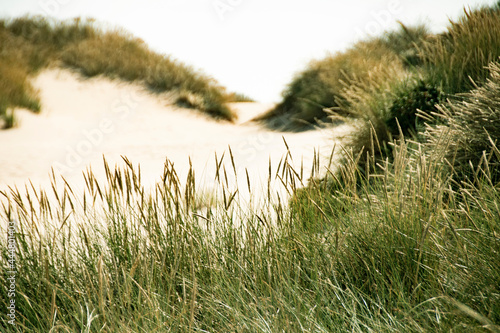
{"type": "Point", "coordinates": [410, 247]}
{"type": "Point", "coordinates": [33, 43]}
{"type": "Point", "coordinates": [406, 251]}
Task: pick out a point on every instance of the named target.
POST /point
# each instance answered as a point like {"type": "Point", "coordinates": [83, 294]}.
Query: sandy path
{"type": "Point", "coordinates": [84, 119]}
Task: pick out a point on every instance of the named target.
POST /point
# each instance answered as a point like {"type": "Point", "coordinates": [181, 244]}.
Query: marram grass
{"type": "Point", "coordinates": [457, 59]}
{"type": "Point", "coordinates": [402, 251]}
{"type": "Point", "coordinates": [30, 44]}
{"type": "Point", "coordinates": [322, 84]}
{"type": "Point", "coordinates": [406, 243]}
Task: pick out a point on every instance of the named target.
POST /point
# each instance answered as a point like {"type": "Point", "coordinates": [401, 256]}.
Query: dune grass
{"type": "Point", "coordinates": [456, 60]}
{"type": "Point", "coordinates": [15, 91]}
{"type": "Point", "coordinates": [472, 128]}
{"type": "Point", "coordinates": [407, 248]}
{"type": "Point", "coordinates": [444, 64]}
{"type": "Point", "coordinates": [421, 251]}
{"type": "Point", "coordinates": [412, 222]}
{"type": "Point", "coordinates": [403, 245]}
{"type": "Point", "coordinates": [402, 236]}
{"type": "Point", "coordinates": [386, 100]}
{"type": "Point", "coordinates": [450, 64]}
{"type": "Point", "coordinates": [239, 98]}
{"type": "Point", "coordinates": [33, 43]}
{"type": "Point", "coordinates": [321, 85]}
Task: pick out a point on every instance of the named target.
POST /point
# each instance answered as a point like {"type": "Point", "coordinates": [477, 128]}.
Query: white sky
{"type": "Point", "coordinates": [249, 46]}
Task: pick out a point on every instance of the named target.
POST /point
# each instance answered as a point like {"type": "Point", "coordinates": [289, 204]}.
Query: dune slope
{"type": "Point", "coordinates": [86, 119]}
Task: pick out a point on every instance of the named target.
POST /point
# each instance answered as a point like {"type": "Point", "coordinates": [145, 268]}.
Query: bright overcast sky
{"type": "Point", "coordinates": [250, 46]}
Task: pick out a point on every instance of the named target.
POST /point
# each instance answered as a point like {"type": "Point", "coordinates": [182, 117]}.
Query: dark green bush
{"type": "Point", "coordinates": [403, 110]}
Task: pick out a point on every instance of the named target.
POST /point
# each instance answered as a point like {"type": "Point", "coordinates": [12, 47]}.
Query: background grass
{"type": "Point", "coordinates": [321, 85]}
{"type": "Point", "coordinates": [449, 64]}
{"type": "Point", "coordinates": [239, 97]}
{"type": "Point", "coordinates": [458, 58]}
{"type": "Point", "coordinates": [444, 64]}
{"type": "Point", "coordinates": [33, 43]}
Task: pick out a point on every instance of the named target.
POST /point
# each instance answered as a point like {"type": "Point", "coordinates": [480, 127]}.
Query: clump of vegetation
{"type": "Point", "coordinates": [403, 113]}
{"type": "Point", "coordinates": [118, 55]}
{"type": "Point", "coordinates": [321, 86]}
{"type": "Point", "coordinates": [457, 59]}
{"type": "Point", "coordinates": [406, 237]}
{"type": "Point", "coordinates": [471, 128]}
{"type": "Point", "coordinates": [406, 43]}
{"type": "Point", "coordinates": [15, 91]}
{"type": "Point", "coordinates": [450, 62]}
{"type": "Point", "coordinates": [318, 87]}
{"type": "Point", "coordinates": [239, 98]}
{"type": "Point", "coordinates": [29, 44]}
{"type": "Point", "coordinates": [446, 64]}
{"type": "Point", "coordinates": [33, 43]}
{"type": "Point", "coordinates": [426, 207]}
{"type": "Point", "coordinates": [385, 109]}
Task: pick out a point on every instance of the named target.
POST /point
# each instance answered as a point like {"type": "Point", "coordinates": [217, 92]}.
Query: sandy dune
{"type": "Point", "coordinates": [84, 119]}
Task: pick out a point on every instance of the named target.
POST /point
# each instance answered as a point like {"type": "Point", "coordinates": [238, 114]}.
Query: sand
{"type": "Point", "coordinates": [83, 120]}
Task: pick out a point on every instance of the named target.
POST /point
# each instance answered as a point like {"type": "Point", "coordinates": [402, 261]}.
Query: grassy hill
{"type": "Point", "coordinates": [30, 44]}
{"type": "Point", "coordinates": [443, 63]}
{"type": "Point", "coordinates": [322, 84]}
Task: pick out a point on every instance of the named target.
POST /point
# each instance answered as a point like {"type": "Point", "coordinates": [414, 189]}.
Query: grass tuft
{"type": "Point", "coordinates": [239, 98]}
{"type": "Point", "coordinates": [457, 59]}
{"type": "Point", "coordinates": [471, 128]}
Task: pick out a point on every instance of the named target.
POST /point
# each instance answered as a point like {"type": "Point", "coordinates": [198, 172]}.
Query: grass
{"type": "Point", "coordinates": [405, 249]}
{"type": "Point", "coordinates": [457, 59]}
{"type": "Point", "coordinates": [449, 64]}
{"type": "Point", "coordinates": [407, 240]}
{"type": "Point", "coordinates": [403, 235]}
{"type": "Point", "coordinates": [15, 89]}
{"type": "Point", "coordinates": [240, 98]}
{"type": "Point", "coordinates": [322, 84]}
{"type": "Point", "coordinates": [35, 43]}
{"type": "Point", "coordinates": [444, 64]}
{"type": "Point", "coordinates": [471, 126]}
